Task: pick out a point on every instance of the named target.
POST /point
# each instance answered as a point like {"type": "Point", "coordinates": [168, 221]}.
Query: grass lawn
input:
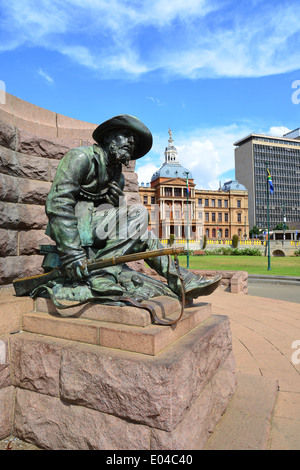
{"type": "Point", "coordinates": [285, 266]}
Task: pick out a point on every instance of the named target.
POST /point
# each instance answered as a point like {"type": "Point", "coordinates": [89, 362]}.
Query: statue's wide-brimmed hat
{"type": "Point", "coordinates": [125, 121]}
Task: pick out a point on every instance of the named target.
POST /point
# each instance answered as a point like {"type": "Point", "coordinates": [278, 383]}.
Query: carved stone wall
{"type": "Point", "coordinates": [32, 142]}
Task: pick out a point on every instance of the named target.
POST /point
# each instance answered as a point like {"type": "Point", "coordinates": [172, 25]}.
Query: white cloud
{"type": "Point", "coordinates": [45, 75]}
{"type": "Point", "coordinates": [154, 100]}
{"type": "Point", "coordinates": [278, 131]}
{"type": "Point", "coordinates": [145, 172]}
{"type": "Point", "coordinates": [182, 38]}
{"type": "Point", "coordinates": [81, 55]}
{"type": "Point", "coordinates": [209, 153]}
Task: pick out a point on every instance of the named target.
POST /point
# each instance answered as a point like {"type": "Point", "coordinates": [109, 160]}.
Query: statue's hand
{"type": "Point", "coordinates": [114, 194]}
{"type": "Point", "coordinates": [77, 269]}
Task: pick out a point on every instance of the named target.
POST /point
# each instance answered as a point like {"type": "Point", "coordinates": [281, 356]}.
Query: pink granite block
{"type": "Point", "coordinates": [52, 424]}
{"type": "Point", "coordinates": [6, 411]}
{"type": "Point", "coordinates": [35, 363]}
{"type": "Point", "coordinates": [156, 391]}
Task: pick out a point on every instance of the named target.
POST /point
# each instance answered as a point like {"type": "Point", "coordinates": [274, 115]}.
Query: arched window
{"type": "Point", "coordinates": [207, 232]}
{"type": "Point", "coordinates": [226, 232]}
{"type": "Point", "coordinates": [213, 233]}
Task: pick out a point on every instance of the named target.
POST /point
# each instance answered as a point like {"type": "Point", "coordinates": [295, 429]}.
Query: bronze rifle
{"type": "Point", "coordinates": [26, 285]}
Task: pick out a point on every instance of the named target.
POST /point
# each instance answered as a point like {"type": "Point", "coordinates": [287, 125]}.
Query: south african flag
{"type": "Point", "coordinates": [270, 181]}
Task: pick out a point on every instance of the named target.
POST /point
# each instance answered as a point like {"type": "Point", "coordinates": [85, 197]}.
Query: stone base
{"type": "Point", "coordinates": [127, 328]}
{"type": "Point", "coordinates": [85, 383]}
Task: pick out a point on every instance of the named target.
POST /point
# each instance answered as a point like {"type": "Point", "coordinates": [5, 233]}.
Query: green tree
{"type": "Point", "coordinates": [254, 231]}
{"type": "Point", "coordinates": [280, 227]}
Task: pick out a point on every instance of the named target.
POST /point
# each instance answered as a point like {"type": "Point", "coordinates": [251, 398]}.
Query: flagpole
{"type": "Point", "coordinates": [268, 220]}
{"type": "Point", "coordinates": [187, 221]}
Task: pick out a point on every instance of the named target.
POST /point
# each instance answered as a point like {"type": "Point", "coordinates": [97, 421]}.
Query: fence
{"type": "Point", "coordinates": [194, 242]}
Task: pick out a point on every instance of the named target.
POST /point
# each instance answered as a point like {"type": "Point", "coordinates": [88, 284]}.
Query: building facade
{"type": "Point", "coordinates": [282, 156]}
{"type": "Point", "coordinates": [176, 207]}
{"type": "Point", "coordinates": [225, 211]}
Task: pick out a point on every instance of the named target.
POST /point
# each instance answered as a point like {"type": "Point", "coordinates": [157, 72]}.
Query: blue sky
{"type": "Point", "coordinates": [213, 71]}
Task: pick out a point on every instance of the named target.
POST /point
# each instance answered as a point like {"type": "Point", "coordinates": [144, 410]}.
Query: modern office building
{"type": "Point", "coordinates": [253, 154]}
{"type": "Point", "coordinates": [218, 214]}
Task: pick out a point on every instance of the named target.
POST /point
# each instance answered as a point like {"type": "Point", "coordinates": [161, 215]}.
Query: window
{"type": "Point", "coordinates": [206, 203]}
{"type": "Point", "coordinates": [207, 232]}
{"type": "Point", "coordinates": [225, 203]}
{"type": "Point", "coordinates": [145, 199]}
{"type": "Point", "coordinates": [238, 203]}
{"type": "Point", "coordinates": [220, 217]}
{"type": "Point", "coordinates": [213, 216]}
{"type": "Point", "coordinates": [168, 191]}
{"type": "Point", "coordinates": [219, 202]}
{"type": "Point", "coordinates": [177, 192]}
{"type": "Point", "coordinates": [226, 216]}
{"type": "Point", "coordinates": [206, 216]}
{"type": "Point", "coordinates": [200, 201]}
{"type": "Point", "coordinates": [177, 214]}
{"type": "Point", "coordinates": [152, 199]}
{"type": "Point", "coordinates": [213, 203]}
{"type": "Point", "coordinates": [226, 233]}
{"type": "Point", "coordinates": [239, 217]}
{"type": "Point", "coordinates": [213, 233]}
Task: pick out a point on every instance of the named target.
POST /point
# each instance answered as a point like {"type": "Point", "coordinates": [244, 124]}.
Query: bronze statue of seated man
{"type": "Point", "coordinates": [88, 218]}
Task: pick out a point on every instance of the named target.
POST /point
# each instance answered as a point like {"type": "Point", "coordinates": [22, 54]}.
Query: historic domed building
{"type": "Point", "coordinates": [177, 208]}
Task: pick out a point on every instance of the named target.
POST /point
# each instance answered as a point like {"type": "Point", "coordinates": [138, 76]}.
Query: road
{"type": "Point", "coordinates": [289, 293]}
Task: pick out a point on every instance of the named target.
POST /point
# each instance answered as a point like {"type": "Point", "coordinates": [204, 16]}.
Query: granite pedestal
{"type": "Point", "coordinates": [108, 378]}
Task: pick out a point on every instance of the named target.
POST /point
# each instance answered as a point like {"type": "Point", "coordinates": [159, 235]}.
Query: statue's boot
{"type": "Point", "coordinates": [194, 285]}
{"type": "Point", "coordinates": [197, 286]}
{"type": "Point", "coordinates": [105, 284]}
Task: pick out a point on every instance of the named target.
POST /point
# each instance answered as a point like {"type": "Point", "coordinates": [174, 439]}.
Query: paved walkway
{"type": "Point", "coordinates": [264, 332]}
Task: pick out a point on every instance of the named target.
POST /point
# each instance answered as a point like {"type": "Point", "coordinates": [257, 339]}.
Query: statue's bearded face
{"type": "Point", "coordinates": [120, 146]}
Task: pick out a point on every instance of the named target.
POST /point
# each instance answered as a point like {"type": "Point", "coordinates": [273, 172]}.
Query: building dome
{"type": "Point", "coordinates": [233, 185]}
{"type": "Point", "coordinates": [171, 167]}
{"type": "Point", "coordinates": [172, 170]}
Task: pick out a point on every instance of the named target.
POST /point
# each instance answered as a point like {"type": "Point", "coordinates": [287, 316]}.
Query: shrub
{"type": "Point", "coordinates": [235, 252]}
{"type": "Point", "coordinates": [171, 239]}
{"type": "Point", "coordinates": [247, 252]}
{"type": "Point", "coordinates": [219, 251]}
{"type": "Point", "coordinates": [235, 241]}
{"type": "Point", "coordinates": [297, 253]}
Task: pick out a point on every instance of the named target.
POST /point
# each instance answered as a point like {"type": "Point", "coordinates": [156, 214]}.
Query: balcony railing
{"type": "Point", "coordinates": [227, 241]}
